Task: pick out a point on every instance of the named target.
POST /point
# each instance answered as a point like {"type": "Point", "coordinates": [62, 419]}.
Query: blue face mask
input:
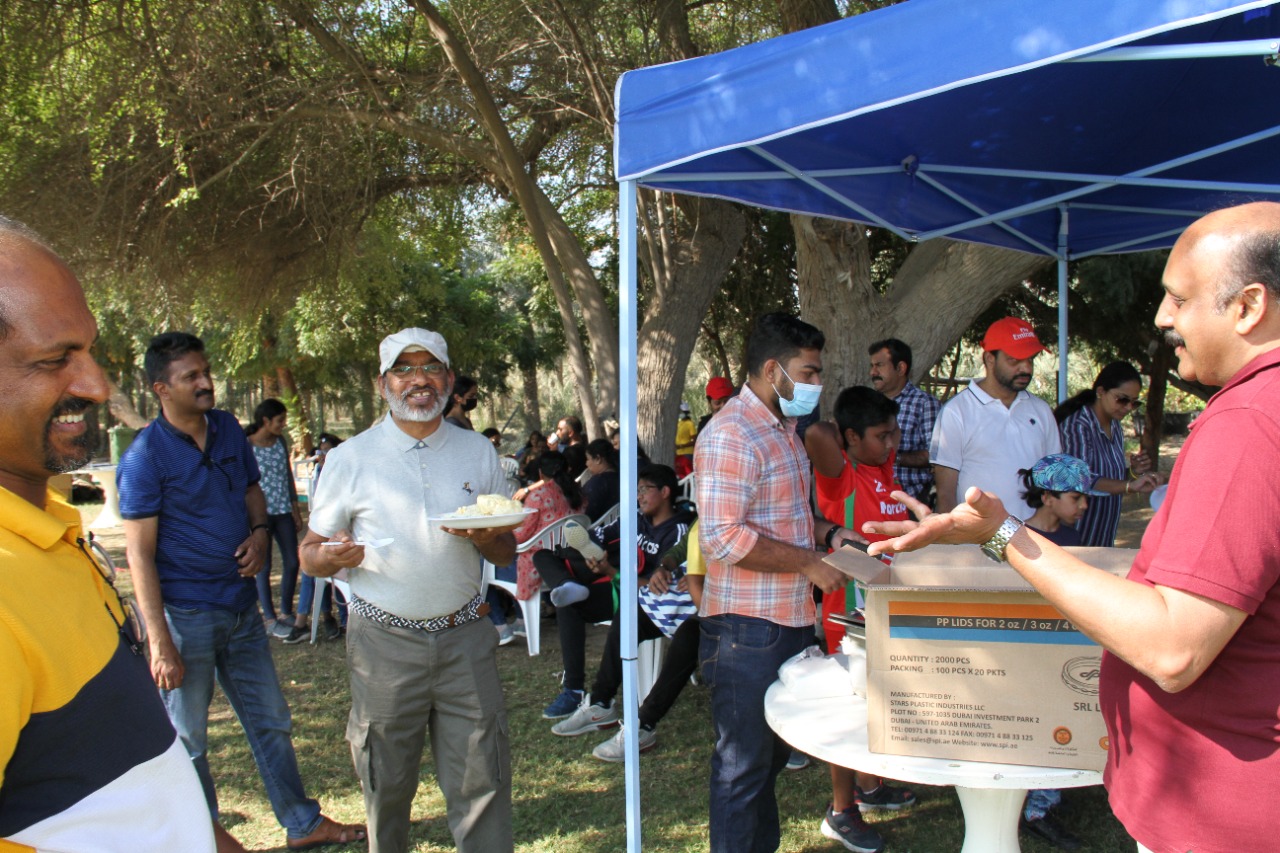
{"type": "Point", "coordinates": [804, 397]}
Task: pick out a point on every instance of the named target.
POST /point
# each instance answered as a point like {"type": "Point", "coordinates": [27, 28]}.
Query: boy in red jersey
{"type": "Point", "coordinates": [853, 472]}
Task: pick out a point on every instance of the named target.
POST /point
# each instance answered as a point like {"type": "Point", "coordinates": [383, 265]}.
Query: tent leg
{"type": "Point", "coordinates": [1064, 231]}
{"type": "Point", "coordinates": [627, 334]}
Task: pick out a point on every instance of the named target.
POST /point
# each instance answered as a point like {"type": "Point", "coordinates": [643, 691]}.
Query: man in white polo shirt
{"type": "Point", "coordinates": [994, 427]}
{"type": "Point", "coordinates": [420, 651]}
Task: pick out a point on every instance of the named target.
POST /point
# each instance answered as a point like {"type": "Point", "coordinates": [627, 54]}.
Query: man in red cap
{"type": "Point", "coordinates": [719, 391]}
{"type": "Point", "coordinates": [994, 427]}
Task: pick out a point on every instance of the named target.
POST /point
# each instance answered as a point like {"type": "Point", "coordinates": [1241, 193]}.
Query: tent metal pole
{"type": "Point", "coordinates": [1064, 234]}
{"type": "Point", "coordinates": [627, 330]}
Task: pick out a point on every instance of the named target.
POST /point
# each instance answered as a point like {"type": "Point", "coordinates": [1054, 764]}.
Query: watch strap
{"type": "Point", "coordinates": [995, 546]}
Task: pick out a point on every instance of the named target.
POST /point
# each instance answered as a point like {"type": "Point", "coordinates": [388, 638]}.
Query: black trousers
{"type": "Point", "coordinates": [565, 564]}
{"type": "Point", "coordinates": [678, 665]}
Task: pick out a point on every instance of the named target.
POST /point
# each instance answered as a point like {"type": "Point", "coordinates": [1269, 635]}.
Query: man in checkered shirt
{"type": "Point", "coordinates": [758, 534]}
{"type": "Point", "coordinates": [917, 411]}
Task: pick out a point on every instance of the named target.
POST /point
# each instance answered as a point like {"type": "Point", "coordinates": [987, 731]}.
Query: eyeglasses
{"type": "Point", "coordinates": [645, 489]}
{"type": "Point", "coordinates": [132, 630]}
{"type": "Point", "coordinates": [1128, 401]}
{"type": "Point", "coordinates": [404, 371]}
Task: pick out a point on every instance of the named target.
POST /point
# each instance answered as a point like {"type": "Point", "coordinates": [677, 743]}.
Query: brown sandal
{"type": "Point", "coordinates": [327, 833]}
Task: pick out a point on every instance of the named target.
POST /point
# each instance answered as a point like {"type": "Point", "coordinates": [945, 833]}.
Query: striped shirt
{"type": "Point", "coordinates": [1082, 437]}
{"type": "Point", "coordinates": [88, 757]}
{"type": "Point", "coordinates": [753, 480]}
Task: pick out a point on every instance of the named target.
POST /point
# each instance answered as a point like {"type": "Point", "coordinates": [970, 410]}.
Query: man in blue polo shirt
{"type": "Point", "coordinates": [196, 533]}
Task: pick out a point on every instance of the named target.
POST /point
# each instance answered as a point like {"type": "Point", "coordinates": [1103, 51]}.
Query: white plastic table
{"type": "Point", "coordinates": [834, 728]}
{"type": "Point", "coordinates": [105, 476]}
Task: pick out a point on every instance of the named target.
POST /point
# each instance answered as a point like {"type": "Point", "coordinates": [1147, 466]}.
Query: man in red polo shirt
{"type": "Point", "coordinates": [1189, 685]}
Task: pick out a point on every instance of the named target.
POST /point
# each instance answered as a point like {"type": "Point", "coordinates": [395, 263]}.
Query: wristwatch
{"type": "Point", "coordinates": [831, 535]}
{"type": "Point", "coordinates": [996, 545]}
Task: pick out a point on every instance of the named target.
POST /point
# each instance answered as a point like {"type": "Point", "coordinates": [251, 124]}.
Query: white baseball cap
{"type": "Point", "coordinates": [411, 340]}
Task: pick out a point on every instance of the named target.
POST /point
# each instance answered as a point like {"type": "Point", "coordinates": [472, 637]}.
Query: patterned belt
{"type": "Point", "coordinates": [474, 609]}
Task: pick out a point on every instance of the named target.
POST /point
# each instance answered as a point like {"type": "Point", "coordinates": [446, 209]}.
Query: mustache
{"type": "Point", "coordinates": [71, 406]}
{"type": "Point", "coordinates": [1174, 339]}
{"type": "Point", "coordinates": [203, 392]}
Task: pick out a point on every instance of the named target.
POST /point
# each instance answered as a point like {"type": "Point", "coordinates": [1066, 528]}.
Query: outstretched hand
{"type": "Point", "coordinates": [972, 522]}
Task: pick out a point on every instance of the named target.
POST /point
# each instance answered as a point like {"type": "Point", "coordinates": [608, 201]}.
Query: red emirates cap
{"type": "Point", "coordinates": [1013, 337]}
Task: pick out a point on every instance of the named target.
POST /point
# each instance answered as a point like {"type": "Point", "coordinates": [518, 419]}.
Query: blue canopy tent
{"type": "Point", "coordinates": [1065, 129]}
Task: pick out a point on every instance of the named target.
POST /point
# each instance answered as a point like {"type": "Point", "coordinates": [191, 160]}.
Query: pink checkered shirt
{"type": "Point", "coordinates": [753, 481]}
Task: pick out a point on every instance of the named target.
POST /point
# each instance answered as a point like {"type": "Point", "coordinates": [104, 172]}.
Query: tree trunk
{"type": "Point", "coordinates": [600, 320]}
{"type": "Point", "coordinates": [121, 408]}
{"type": "Point", "coordinates": [363, 413]}
{"type": "Point", "coordinates": [833, 267]}
{"type": "Point", "coordinates": [529, 394]}
{"type": "Point", "coordinates": [936, 295]}
{"type": "Point", "coordinates": [1153, 415]}
{"type": "Point", "coordinates": [302, 425]}
{"type": "Point", "coordinates": [515, 176]}
{"type": "Point", "coordinates": [692, 269]}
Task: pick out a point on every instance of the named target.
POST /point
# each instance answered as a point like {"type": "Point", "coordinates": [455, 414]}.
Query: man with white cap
{"type": "Point", "coordinates": [994, 427]}
{"type": "Point", "coordinates": [420, 651]}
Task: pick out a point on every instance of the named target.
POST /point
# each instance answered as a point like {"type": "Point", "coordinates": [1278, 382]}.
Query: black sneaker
{"type": "Point", "coordinates": [884, 797]}
{"type": "Point", "coordinates": [332, 630]}
{"type": "Point", "coordinates": [1053, 832]}
{"type": "Point", "coordinates": [849, 829]}
{"type": "Point", "coordinates": [297, 635]}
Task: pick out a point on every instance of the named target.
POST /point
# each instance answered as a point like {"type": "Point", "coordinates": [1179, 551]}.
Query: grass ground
{"type": "Point", "coordinates": [565, 800]}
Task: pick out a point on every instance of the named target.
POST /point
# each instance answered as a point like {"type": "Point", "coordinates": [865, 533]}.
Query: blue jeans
{"type": "Point", "coordinates": [282, 529]}
{"type": "Point", "coordinates": [234, 648]}
{"type": "Point", "coordinates": [498, 598]}
{"type": "Point", "coordinates": [1039, 801]}
{"type": "Point", "coordinates": [740, 658]}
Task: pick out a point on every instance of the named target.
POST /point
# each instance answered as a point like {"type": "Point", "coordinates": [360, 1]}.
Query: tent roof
{"type": "Point", "coordinates": [978, 120]}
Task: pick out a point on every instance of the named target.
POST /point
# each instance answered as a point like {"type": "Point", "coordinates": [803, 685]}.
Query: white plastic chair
{"type": "Point", "coordinates": [649, 657]}
{"type": "Point", "coordinates": [340, 583]}
{"type": "Point", "coordinates": [688, 487]}
{"type": "Point", "coordinates": [550, 536]}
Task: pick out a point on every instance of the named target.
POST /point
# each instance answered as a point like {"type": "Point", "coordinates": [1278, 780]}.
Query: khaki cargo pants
{"type": "Point", "coordinates": [406, 683]}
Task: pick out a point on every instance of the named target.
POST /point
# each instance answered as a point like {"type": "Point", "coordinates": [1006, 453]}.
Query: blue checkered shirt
{"type": "Point", "coordinates": [917, 412]}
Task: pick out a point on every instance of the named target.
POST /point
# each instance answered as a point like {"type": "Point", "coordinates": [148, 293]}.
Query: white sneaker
{"type": "Point", "coordinates": [517, 628]}
{"type": "Point", "coordinates": [505, 634]}
{"type": "Point", "coordinates": [614, 749]}
{"type": "Point", "coordinates": [577, 538]}
{"type": "Point", "coordinates": [588, 718]}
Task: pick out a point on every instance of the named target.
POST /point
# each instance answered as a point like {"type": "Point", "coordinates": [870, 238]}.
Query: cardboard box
{"type": "Point", "coordinates": [966, 661]}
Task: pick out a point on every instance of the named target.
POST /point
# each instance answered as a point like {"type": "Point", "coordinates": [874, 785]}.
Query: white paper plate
{"type": "Point", "coordinates": [479, 522]}
{"type": "Point", "coordinates": [368, 543]}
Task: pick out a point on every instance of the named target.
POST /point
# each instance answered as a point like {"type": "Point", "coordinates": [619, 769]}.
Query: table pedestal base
{"type": "Point", "coordinates": [991, 819]}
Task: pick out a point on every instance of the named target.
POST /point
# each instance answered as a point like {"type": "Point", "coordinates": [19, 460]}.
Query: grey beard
{"type": "Point", "coordinates": [402, 410]}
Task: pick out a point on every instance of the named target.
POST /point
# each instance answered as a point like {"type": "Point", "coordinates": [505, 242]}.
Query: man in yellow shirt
{"type": "Point", "coordinates": [686, 432]}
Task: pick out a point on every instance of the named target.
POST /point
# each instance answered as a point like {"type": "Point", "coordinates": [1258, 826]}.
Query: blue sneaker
{"type": "Point", "coordinates": [849, 829]}
{"type": "Point", "coordinates": [566, 703]}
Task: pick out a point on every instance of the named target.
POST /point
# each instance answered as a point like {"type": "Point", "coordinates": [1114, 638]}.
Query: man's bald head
{"type": "Point", "coordinates": [1246, 239]}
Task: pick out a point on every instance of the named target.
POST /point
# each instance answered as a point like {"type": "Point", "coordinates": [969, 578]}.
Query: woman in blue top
{"type": "Point", "coordinates": [1092, 428]}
